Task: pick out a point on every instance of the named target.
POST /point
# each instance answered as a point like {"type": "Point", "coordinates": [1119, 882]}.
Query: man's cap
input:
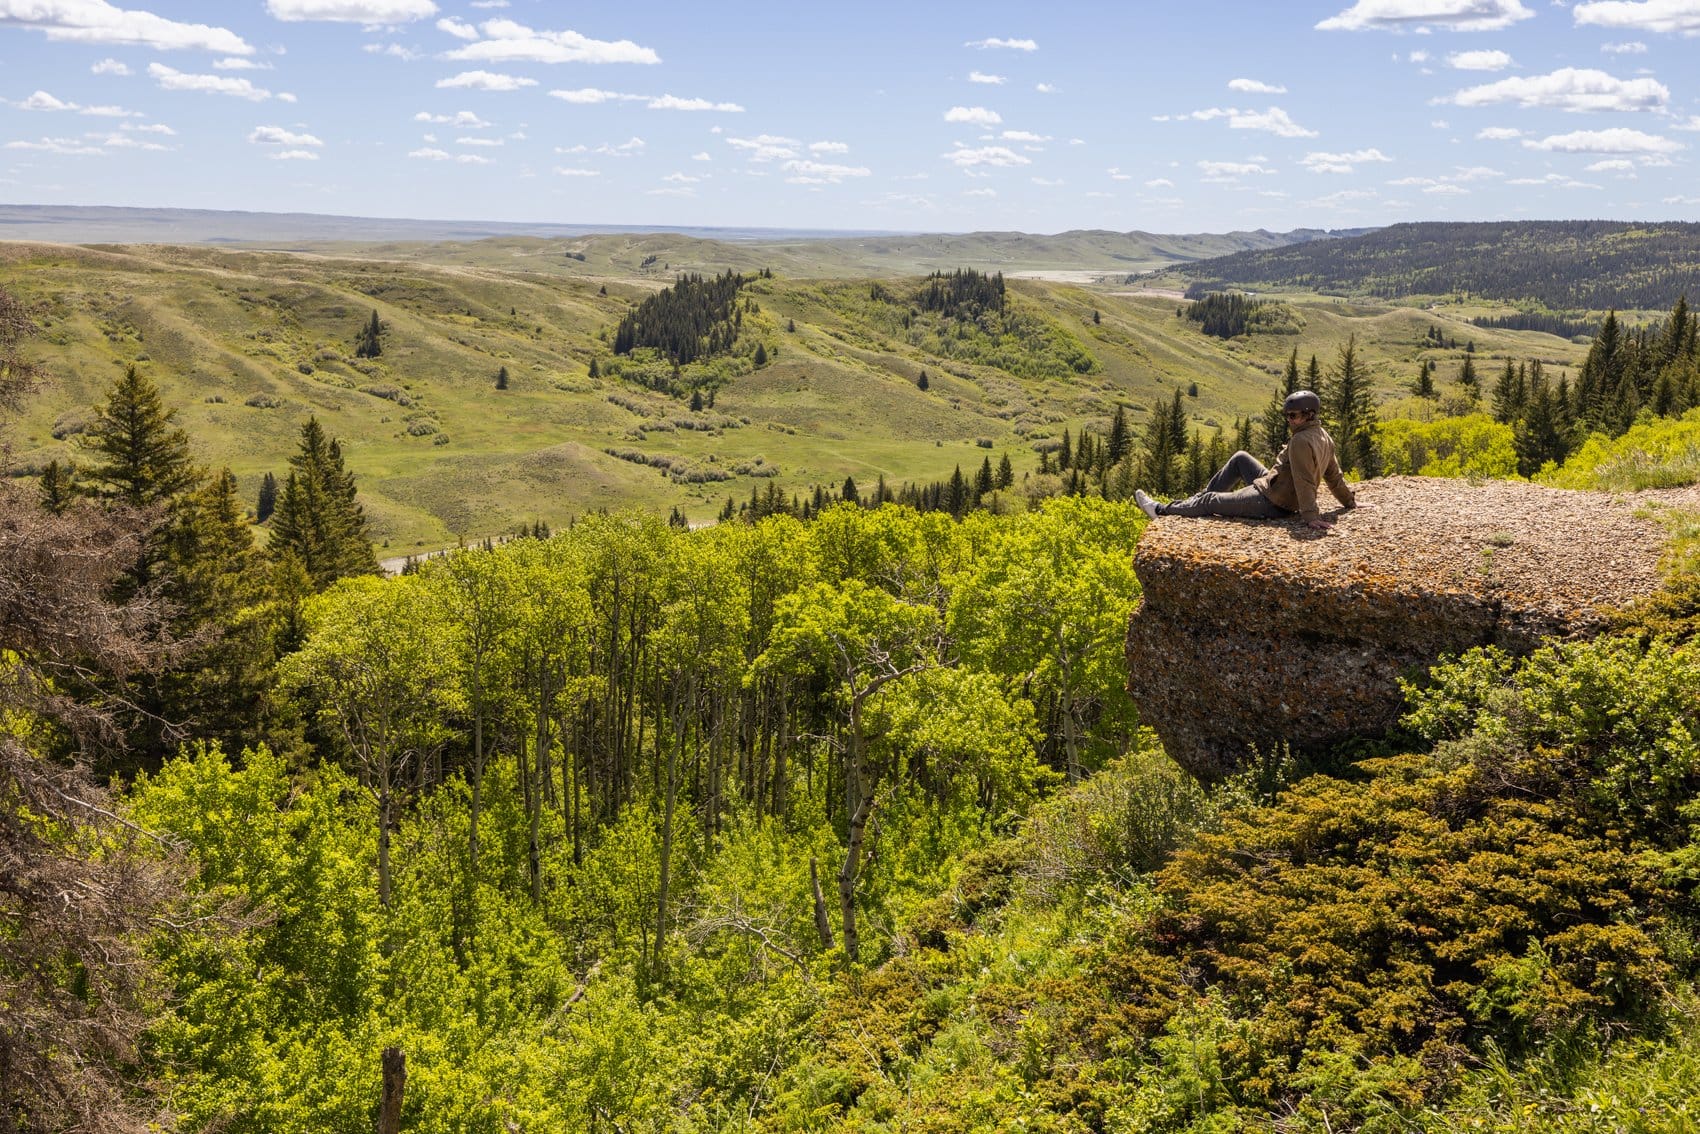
{"type": "Point", "coordinates": [1301, 401]}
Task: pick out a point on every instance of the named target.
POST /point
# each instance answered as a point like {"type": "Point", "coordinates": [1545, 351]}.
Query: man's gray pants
{"type": "Point", "coordinates": [1216, 499]}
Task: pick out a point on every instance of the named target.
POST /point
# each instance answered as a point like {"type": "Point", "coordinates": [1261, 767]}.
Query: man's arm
{"type": "Point", "coordinates": [1337, 484]}
{"type": "Point", "coordinates": [1303, 461]}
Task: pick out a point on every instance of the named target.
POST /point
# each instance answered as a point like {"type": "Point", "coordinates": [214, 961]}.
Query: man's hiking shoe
{"type": "Point", "coordinates": [1146, 504]}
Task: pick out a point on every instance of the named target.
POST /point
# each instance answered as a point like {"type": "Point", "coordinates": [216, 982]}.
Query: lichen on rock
{"type": "Point", "coordinates": [1251, 633]}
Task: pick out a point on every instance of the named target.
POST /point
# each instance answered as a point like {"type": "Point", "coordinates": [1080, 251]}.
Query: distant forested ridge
{"type": "Point", "coordinates": [1566, 265]}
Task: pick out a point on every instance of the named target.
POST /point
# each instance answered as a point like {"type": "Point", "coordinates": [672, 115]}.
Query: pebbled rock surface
{"type": "Point", "coordinates": [1255, 632]}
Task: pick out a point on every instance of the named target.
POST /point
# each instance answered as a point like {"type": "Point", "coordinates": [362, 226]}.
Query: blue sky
{"type": "Point", "coordinates": [1204, 116]}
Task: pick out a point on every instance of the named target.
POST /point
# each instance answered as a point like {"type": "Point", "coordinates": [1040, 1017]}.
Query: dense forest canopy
{"type": "Point", "coordinates": [1565, 265]}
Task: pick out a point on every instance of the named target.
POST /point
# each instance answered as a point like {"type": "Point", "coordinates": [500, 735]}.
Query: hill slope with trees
{"type": "Point", "coordinates": [1563, 265]}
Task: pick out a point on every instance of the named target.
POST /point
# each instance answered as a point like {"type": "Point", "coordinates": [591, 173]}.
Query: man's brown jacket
{"type": "Point", "coordinates": [1305, 462]}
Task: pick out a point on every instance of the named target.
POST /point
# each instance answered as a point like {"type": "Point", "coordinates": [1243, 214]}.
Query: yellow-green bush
{"type": "Point", "coordinates": [1656, 453]}
{"type": "Point", "coordinates": [1472, 446]}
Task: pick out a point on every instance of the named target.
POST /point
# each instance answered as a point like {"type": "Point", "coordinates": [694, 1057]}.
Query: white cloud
{"type": "Point", "coordinates": [631, 147]}
{"type": "Point", "coordinates": [71, 147]}
{"type": "Point", "coordinates": [704, 156]}
{"type": "Point", "coordinates": [766, 147]}
{"type": "Point", "coordinates": [294, 155]}
{"type": "Point", "coordinates": [676, 191]}
{"type": "Point", "coordinates": [1693, 123]}
{"type": "Point", "coordinates": [672, 102]}
{"type": "Point", "coordinates": [1478, 61]}
{"type": "Point", "coordinates": [566, 171]}
{"type": "Point", "coordinates": [1024, 136]}
{"type": "Point", "coordinates": [352, 11]}
{"type": "Point", "coordinates": [510, 42]}
{"type": "Point", "coordinates": [285, 96]}
{"type": "Point", "coordinates": [1633, 47]}
{"type": "Point", "coordinates": [1045, 88]}
{"type": "Point", "coordinates": [460, 29]}
{"type": "Point", "coordinates": [278, 136]}
{"type": "Point", "coordinates": [682, 178]}
{"type": "Point", "coordinates": [149, 128]}
{"type": "Point", "coordinates": [1253, 86]}
{"type": "Point", "coordinates": [1569, 88]}
{"type": "Point", "coordinates": [1680, 200]}
{"type": "Point", "coordinates": [1048, 182]}
{"type": "Point", "coordinates": [965, 158]}
{"type": "Point", "coordinates": [1159, 183]}
{"type": "Point", "coordinates": [1617, 140]}
{"type": "Point", "coordinates": [1116, 174]}
{"type": "Point", "coordinates": [112, 67]}
{"type": "Point", "coordinates": [817, 172]}
{"type": "Point", "coordinates": [109, 112]}
{"type": "Point", "coordinates": [434, 154]}
{"type": "Point", "coordinates": [1563, 181]}
{"type": "Point", "coordinates": [489, 3]}
{"type": "Point", "coordinates": [1441, 124]}
{"type": "Point", "coordinates": [1012, 44]}
{"type": "Point", "coordinates": [173, 80]}
{"type": "Point", "coordinates": [982, 77]}
{"type": "Point", "coordinates": [41, 100]}
{"type": "Point", "coordinates": [125, 142]}
{"type": "Point", "coordinates": [1340, 162]}
{"type": "Point", "coordinates": [95, 21]}
{"type": "Point", "coordinates": [1274, 120]}
{"type": "Point", "coordinates": [828, 148]}
{"type": "Point", "coordinates": [406, 54]}
{"type": "Point", "coordinates": [974, 115]}
{"type": "Point", "coordinates": [485, 81]}
{"type": "Point", "coordinates": [480, 142]}
{"type": "Point", "coordinates": [239, 63]}
{"type": "Point", "coordinates": [1498, 133]}
{"type": "Point", "coordinates": [1643, 15]}
{"type": "Point", "coordinates": [1611, 165]}
{"type": "Point", "coordinates": [980, 193]}
{"type": "Point", "coordinates": [1418, 56]}
{"type": "Point", "coordinates": [589, 96]}
{"type": "Point", "coordinates": [464, 120]}
{"type": "Point", "coordinates": [1412, 15]}
{"type": "Point", "coordinates": [1223, 171]}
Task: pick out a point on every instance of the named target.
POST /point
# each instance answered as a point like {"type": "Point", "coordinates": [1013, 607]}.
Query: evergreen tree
{"type": "Point", "coordinates": [1348, 407]}
{"type": "Point", "coordinates": [956, 495]}
{"type": "Point", "coordinates": [58, 487]}
{"type": "Point", "coordinates": [267, 502]}
{"type": "Point", "coordinates": [141, 457]}
{"type": "Point", "coordinates": [921, 383]}
{"type": "Point", "coordinates": [1506, 405]}
{"type": "Point", "coordinates": [1242, 433]}
{"type": "Point", "coordinates": [1006, 472]}
{"type": "Point", "coordinates": [318, 522]}
{"type": "Point", "coordinates": [1423, 387]}
{"type": "Point", "coordinates": [1065, 455]}
{"type": "Point", "coordinates": [368, 341]}
{"type": "Point", "coordinates": [849, 493]}
{"type": "Point", "coordinates": [696, 401]}
{"type": "Point", "coordinates": [761, 356]}
{"type": "Point", "coordinates": [1160, 451]}
{"type": "Point", "coordinates": [595, 368]}
{"type": "Point", "coordinates": [502, 378]}
{"type": "Point", "coordinates": [1120, 440]}
{"type": "Point", "coordinates": [984, 480]}
{"type": "Point", "coordinates": [1096, 318]}
{"type": "Point", "coordinates": [1468, 381]}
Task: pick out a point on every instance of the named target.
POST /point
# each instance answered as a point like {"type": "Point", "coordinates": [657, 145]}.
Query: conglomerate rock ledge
{"type": "Point", "coordinates": [1256, 632]}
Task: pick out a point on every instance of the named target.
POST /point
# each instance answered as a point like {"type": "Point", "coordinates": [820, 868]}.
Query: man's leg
{"type": "Point", "coordinates": [1246, 503]}
{"type": "Point", "coordinates": [1242, 468]}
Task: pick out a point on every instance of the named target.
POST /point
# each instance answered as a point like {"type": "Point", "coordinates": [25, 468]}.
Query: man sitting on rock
{"type": "Point", "coordinates": [1290, 487]}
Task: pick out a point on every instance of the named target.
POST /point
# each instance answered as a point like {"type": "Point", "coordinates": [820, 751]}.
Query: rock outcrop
{"type": "Point", "coordinates": [1252, 633]}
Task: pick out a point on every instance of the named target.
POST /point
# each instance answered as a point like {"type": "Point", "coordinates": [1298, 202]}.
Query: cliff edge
{"type": "Point", "coordinates": [1255, 632]}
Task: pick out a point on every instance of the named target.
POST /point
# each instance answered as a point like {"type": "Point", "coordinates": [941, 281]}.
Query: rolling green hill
{"type": "Point", "coordinates": [1564, 265]}
{"type": "Point", "coordinates": [248, 343]}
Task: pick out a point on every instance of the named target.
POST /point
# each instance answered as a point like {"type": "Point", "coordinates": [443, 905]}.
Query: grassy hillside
{"type": "Point", "coordinates": [1564, 265]}
{"type": "Point", "coordinates": [246, 344]}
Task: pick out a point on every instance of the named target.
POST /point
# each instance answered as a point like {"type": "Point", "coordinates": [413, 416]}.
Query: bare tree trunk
{"type": "Point", "coordinates": [385, 805]}
{"type": "Point", "coordinates": [395, 1080]}
{"type": "Point", "coordinates": [823, 924]}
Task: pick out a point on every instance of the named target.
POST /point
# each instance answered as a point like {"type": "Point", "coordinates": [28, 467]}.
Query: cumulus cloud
{"type": "Point", "coordinates": [1274, 120]}
{"type": "Point", "coordinates": [41, 100]}
{"type": "Point", "coordinates": [673, 102]}
{"type": "Point", "coordinates": [568, 171]}
{"type": "Point", "coordinates": [1159, 183]}
{"type": "Point", "coordinates": [431, 153]}
{"type": "Point", "coordinates": [1498, 133]}
{"type": "Point", "coordinates": [828, 148]}
{"type": "Point", "coordinates": [1253, 86]}
{"type": "Point", "coordinates": [460, 29]}
{"type": "Point", "coordinates": [965, 157]}
{"type": "Point", "coordinates": [982, 77]}
{"type": "Point", "coordinates": [1573, 89]}
{"type": "Point", "coordinates": [149, 128]}
{"type": "Point", "coordinates": [1478, 61]}
{"type": "Point", "coordinates": [1563, 181]}
{"type": "Point", "coordinates": [70, 147]}
{"type": "Point", "coordinates": [1611, 165]}
{"type": "Point", "coordinates": [239, 63]}
{"type": "Point", "coordinates": [590, 96]}
{"type": "Point", "coordinates": [703, 156]}
{"type": "Point", "coordinates": [480, 142]}
{"type": "Point", "coordinates": [1231, 169]}
{"type": "Point", "coordinates": [95, 21]}
{"type": "Point", "coordinates": [278, 136]}
{"type": "Point", "coordinates": [464, 120]}
{"type": "Point", "coordinates": [1618, 140]}
{"type": "Point", "coordinates": [1027, 136]}
{"type": "Point", "coordinates": [1045, 88]}
{"type": "Point", "coordinates": [1011, 44]}
{"type": "Point", "coordinates": [1341, 162]}
{"type": "Point", "coordinates": [1633, 47]}
{"type": "Point", "coordinates": [1668, 16]}
{"type": "Point", "coordinates": [1116, 174]}
{"type": "Point", "coordinates": [974, 115]}
{"type": "Point", "coordinates": [509, 42]}
{"type": "Point", "coordinates": [485, 81]}
{"type": "Point", "coordinates": [766, 147]}
{"type": "Point", "coordinates": [1414, 15]}
{"type": "Point", "coordinates": [805, 172]}
{"type": "Point", "coordinates": [682, 178]}
{"type": "Point", "coordinates": [112, 67]}
{"type": "Point", "coordinates": [174, 80]}
{"type": "Point", "coordinates": [352, 11]}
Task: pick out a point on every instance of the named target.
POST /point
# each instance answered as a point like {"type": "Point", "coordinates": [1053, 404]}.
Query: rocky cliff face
{"type": "Point", "coordinates": [1257, 632]}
